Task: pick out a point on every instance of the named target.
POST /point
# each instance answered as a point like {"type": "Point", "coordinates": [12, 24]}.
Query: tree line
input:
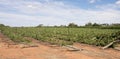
{"type": "Point", "coordinates": [87, 25]}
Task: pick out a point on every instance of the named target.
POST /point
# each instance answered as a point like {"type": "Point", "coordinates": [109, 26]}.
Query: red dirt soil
{"type": "Point", "coordinates": [45, 51]}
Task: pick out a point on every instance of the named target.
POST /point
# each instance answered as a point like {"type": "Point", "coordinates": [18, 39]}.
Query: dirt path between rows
{"type": "Point", "coordinates": [45, 51]}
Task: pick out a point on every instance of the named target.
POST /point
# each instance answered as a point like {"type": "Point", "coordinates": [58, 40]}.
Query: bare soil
{"type": "Point", "coordinates": [10, 50]}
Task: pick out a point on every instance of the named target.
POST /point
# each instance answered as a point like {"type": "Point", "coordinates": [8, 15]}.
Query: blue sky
{"type": "Point", "coordinates": [58, 12]}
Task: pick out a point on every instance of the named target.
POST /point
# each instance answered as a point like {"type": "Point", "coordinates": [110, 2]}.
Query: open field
{"type": "Point", "coordinates": [47, 51]}
{"type": "Point", "coordinates": [52, 43]}
{"type": "Point", "coordinates": [63, 36]}
{"type": "Point", "coordinates": [59, 29]}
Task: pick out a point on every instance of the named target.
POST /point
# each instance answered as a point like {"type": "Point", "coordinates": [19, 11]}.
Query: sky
{"type": "Point", "coordinates": [58, 12]}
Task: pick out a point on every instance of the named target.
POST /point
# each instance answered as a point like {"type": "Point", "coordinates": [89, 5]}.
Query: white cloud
{"type": "Point", "coordinates": [118, 2]}
{"type": "Point", "coordinates": [53, 13]}
{"type": "Point", "coordinates": [27, 20]}
{"type": "Point", "coordinates": [93, 1]}
{"type": "Point", "coordinates": [110, 6]}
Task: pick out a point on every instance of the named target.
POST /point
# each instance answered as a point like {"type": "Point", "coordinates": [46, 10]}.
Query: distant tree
{"type": "Point", "coordinates": [55, 26]}
{"type": "Point", "coordinates": [88, 24]}
{"type": "Point", "coordinates": [72, 25]}
{"type": "Point", "coordinates": [115, 24]}
{"type": "Point", "coordinates": [2, 25]}
{"type": "Point", "coordinates": [105, 24]}
{"type": "Point", "coordinates": [62, 25]}
{"type": "Point", "coordinates": [40, 25]}
{"type": "Point", "coordinates": [95, 24]}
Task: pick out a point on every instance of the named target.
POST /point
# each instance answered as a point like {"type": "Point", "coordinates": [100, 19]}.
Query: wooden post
{"type": "Point", "coordinates": [108, 45]}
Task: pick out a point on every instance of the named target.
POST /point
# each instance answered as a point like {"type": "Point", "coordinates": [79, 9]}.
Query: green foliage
{"type": "Point", "coordinates": [88, 24]}
{"type": "Point", "coordinates": [63, 36]}
{"type": "Point", "coordinates": [2, 25]}
{"type": "Point", "coordinates": [110, 27]}
{"type": "Point", "coordinates": [95, 24]}
{"type": "Point", "coordinates": [40, 25]}
{"type": "Point", "coordinates": [72, 25]}
{"type": "Point", "coordinates": [14, 35]}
